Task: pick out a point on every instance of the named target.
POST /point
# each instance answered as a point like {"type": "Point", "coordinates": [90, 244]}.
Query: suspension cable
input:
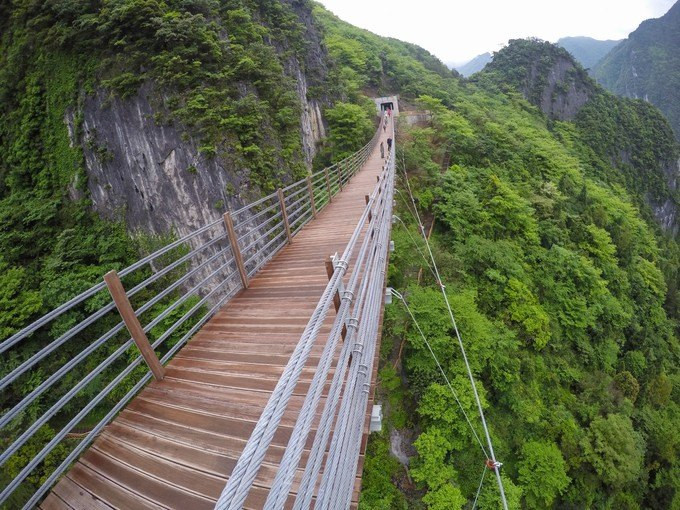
{"type": "Point", "coordinates": [492, 456]}
{"type": "Point", "coordinates": [479, 489]}
{"type": "Point", "coordinates": [400, 297]}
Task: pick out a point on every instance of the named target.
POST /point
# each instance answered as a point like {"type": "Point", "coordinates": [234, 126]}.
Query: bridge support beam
{"type": "Point", "coordinates": [328, 185]}
{"type": "Point", "coordinates": [233, 241]}
{"type": "Point", "coordinates": [131, 321]}
{"type": "Point", "coordinates": [284, 215]}
{"type": "Point", "coordinates": [337, 299]}
{"type": "Point", "coordinates": [311, 195]}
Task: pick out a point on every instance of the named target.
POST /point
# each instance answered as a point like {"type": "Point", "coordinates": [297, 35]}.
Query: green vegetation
{"type": "Point", "coordinates": [214, 70]}
{"type": "Point", "coordinates": [526, 65]}
{"type": "Point", "coordinates": [626, 142]}
{"type": "Point", "coordinates": [586, 50]}
{"type": "Point", "coordinates": [565, 290]}
{"type": "Point", "coordinates": [562, 286]}
{"type": "Point", "coordinates": [647, 65]}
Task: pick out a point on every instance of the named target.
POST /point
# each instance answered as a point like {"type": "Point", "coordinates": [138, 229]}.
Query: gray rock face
{"type": "Point", "coordinates": [562, 97]}
{"type": "Point", "coordinates": [145, 173]}
{"type": "Point", "coordinates": [153, 175]}
{"type": "Point", "coordinates": [666, 212]}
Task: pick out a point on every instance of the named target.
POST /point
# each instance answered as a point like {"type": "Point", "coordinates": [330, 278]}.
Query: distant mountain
{"type": "Point", "coordinates": [586, 50]}
{"type": "Point", "coordinates": [633, 136]}
{"type": "Point", "coordinates": [647, 65]}
{"type": "Point", "coordinates": [475, 65]}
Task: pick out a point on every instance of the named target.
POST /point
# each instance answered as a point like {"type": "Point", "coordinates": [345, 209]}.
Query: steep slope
{"type": "Point", "coordinates": [135, 118]}
{"type": "Point", "coordinates": [564, 288]}
{"type": "Point", "coordinates": [646, 65]}
{"type": "Point", "coordinates": [566, 296]}
{"type": "Point", "coordinates": [630, 136]}
{"type": "Point", "coordinates": [586, 50]}
{"type": "Point", "coordinates": [474, 65]}
{"type": "Point", "coordinates": [545, 74]}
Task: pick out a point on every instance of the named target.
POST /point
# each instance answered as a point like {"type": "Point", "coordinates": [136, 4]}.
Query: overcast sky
{"type": "Point", "coordinates": [457, 31]}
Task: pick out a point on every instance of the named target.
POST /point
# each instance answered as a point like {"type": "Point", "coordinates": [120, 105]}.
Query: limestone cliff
{"type": "Point", "coordinates": [152, 173]}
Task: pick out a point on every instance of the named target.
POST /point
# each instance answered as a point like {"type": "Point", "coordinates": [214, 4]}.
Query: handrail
{"type": "Point", "coordinates": [359, 314]}
{"type": "Point", "coordinates": [85, 338]}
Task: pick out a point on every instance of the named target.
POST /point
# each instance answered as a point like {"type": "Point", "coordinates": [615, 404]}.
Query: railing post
{"type": "Point", "coordinates": [370, 216]}
{"type": "Point", "coordinates": [132, 323]}
{"type": "Point", "coordinates": [339, 170]}
{"type": "Point", "coordinates": [311, 195]}
{"type": "Point", "coordinates": [233, 241]}
{"type": "Point", "coordinates": [284, 215]}
{"type": "Point", "coordinates": [328, 185]}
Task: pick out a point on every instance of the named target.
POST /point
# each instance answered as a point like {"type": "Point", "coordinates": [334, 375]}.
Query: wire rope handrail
{"type": "Point", "coordinates": [51, 367]}
{"type": "Point", "coordinates": [359, 315]}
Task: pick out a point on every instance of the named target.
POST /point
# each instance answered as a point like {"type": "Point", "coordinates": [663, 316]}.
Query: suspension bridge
{"type": "Point", "coordinates": [232, 368]}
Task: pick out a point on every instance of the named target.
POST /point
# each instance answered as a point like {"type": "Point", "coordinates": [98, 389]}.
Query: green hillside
{"type": "Point", "coordinates": [646, 65]}
{"type": "Point", "coordinates": [564, 289]}
{"type": "Point", "coordinates": [562, 276]}
{"type": "Point", "coordinates": [586, 50]}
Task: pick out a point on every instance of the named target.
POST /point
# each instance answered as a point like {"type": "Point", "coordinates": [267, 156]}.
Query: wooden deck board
{"type": "Point", "coordinates": [176, 443]}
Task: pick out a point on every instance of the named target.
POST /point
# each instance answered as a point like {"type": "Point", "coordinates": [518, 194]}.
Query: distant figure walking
{"type": "Point", "coordinates": [382, 151]}
{"type": "Point", "coordinates": [389, 143]}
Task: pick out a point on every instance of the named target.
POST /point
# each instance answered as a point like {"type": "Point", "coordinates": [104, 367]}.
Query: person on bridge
{"type": "Point", "coordinates": [389, 143]}
{"type": "Point", "coordinates": [382, 151]}
{"type": "Point", "coordinates": [389, 112]}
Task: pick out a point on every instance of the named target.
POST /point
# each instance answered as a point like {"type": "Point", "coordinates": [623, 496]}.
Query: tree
{"type": "Point", "coordinates": [614, 449]}
{"type": "Point", "coordinates": [446, 497]}
{"type": "Point", "coordinates": [627, 385]}
{"type": "Point", "coordinates": [349, 127]}
{"type": "Point", "coordinates": [542, 473]}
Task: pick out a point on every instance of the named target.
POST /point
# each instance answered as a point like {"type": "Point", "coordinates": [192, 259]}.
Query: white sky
{"type": "Point", "coordinates": [456, 31]}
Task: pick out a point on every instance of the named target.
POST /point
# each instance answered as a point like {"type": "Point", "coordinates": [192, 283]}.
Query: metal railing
{"type": "Point", "coordinates": [343, 415]}
{"type": "Point", "coordinates": [77, 366]}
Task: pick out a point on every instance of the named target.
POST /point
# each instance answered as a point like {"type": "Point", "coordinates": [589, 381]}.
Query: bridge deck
{"type": "Point", "coordinates": [176, 443]}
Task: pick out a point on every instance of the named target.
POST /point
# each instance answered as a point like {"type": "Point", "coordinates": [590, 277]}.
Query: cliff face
{"type": "Point", "coordinates": [667, 211]}
{"type": "Point", "coordinates": [154, 175]}
{"type": "Point", "coordinates": [562, 96]}
{"type": "Point", "coordinates": [146, 173]}
{"type": "Point", "coordinates": [545, 74]}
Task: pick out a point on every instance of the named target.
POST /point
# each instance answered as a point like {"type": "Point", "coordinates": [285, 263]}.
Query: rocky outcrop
{"type": "Point", "coordinates": [550, 78]}
{"type": "Point", "coordinates": [562, 95]}
{"type": "Point", "coordinates": [667, 212]}
{"type": "Point", "coordinates": [153, 174]}
{"type": "Point", "coordinates": [148, 173]}
{"type": "Point", "coordinates": [545, 74]}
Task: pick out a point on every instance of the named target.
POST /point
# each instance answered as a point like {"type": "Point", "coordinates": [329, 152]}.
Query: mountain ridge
{"type": "Point", "coordinates": [586, 50]}
{"type": "Point", "coordinates": [550, 78]}
{"type": "Point", "coordinates": [646, 65]}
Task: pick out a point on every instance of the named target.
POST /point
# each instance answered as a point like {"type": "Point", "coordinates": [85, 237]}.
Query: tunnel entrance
{"type": "Point", "coordinates": [384, 103]}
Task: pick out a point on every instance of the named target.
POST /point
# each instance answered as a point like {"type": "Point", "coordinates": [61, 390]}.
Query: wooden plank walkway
{"type": "Point", "coordinates": [176, 443]}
